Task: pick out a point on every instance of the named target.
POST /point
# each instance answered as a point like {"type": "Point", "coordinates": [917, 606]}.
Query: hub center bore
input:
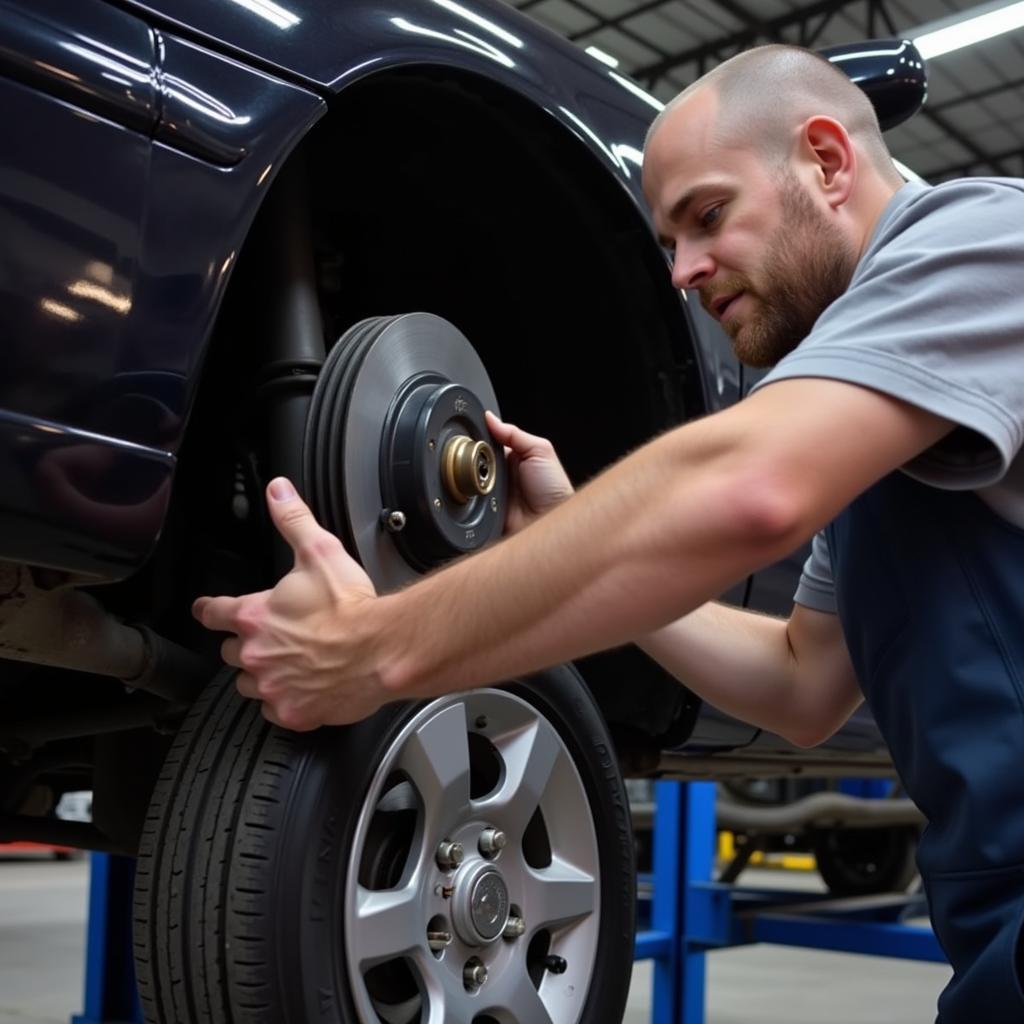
{"type": "Point", "coordinates": [468, 468]}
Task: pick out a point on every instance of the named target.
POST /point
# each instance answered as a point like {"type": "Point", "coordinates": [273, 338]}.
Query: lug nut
{"type": "Point", "coordinates": [492, 841]}
{"type": "Point", "coordinates": [514, 928]}
{"type": "Point", "coordinates": [474, 974]}
{"type": "Point", "coordinates": [450, 855]}
{"type": "Point", "coordinates": [438, 940]}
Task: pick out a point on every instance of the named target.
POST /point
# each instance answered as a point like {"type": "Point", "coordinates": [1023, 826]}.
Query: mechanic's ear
{"type": "Point", "coordinates": [825, 142]}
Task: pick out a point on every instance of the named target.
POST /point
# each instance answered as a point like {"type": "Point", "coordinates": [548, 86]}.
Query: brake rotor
{"type": "Point", "coordinates": [398, 460]}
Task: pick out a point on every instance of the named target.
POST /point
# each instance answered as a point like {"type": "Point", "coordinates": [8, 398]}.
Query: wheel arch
{"type": "Point", "coordinates": [434, 189]}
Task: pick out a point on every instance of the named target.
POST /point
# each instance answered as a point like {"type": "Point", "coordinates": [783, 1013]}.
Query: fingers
{"type": "Point", "coordinates": [297, 525]}
{"type": "Point", "coordinates": [279, 712]}
{"type": "Point", "coordinates": [231, 652]}
{"type": "Point", "coordinates": [246, 685]}
{"type": "Point", "coordinates": [218, 613]}
{"type": "Point", "coordinates": [522, 443]}
{"type": "Point", "coordinates": [499, 429]}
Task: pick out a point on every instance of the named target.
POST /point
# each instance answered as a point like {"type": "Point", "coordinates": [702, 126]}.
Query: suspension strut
{"type": "Point", "coordinates": [295, 348]}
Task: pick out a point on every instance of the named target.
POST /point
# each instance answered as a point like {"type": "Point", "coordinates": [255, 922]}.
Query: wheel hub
{"type": "Point", "coordinates": [480, 904]}
{"type": "Point", "coordinates": [438, 467]}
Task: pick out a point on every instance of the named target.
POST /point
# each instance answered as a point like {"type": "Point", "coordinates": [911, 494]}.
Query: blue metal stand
{"type": "Point", "coordinates": [110, 994]}
{"type": "Point", "coordinates": [688, 914]}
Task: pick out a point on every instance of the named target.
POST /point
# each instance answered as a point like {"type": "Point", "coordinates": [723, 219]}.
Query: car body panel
{"type": "Point", "coordinates": [145, 136]}
{"type": "Point", "coordinates": [119, 239]}
{"type": "Point", "coordinates": [93, 55]}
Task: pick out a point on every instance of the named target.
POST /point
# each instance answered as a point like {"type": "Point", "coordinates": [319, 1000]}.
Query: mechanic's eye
{"type": "Point", "coordinates": [709, 218]}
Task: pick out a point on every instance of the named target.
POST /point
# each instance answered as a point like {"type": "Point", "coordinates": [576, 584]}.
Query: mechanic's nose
{"type": "Point", "coordinates": [692, 269]}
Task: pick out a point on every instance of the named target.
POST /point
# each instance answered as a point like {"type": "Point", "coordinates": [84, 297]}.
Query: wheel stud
{"type": "Point", "coordinates": [450, 855]}
{"type": "Point", "coordinates": [438, 940]}
{"type": "Point", "coordinates": [492, 841]}
{"type": "Point", "coordinates": [474, 974]}
{"type": "Point", "coordinates": [514, 928]}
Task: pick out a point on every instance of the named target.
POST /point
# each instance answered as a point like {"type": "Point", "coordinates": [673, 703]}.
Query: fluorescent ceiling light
{"type": "Point", "coordinates": [604, 58]}
{"type": "Point", "coordinates": [967, 28]}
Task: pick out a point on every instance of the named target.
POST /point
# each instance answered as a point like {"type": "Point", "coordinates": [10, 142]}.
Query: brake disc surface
{"type": "Point", "coordinates": [398, 460]}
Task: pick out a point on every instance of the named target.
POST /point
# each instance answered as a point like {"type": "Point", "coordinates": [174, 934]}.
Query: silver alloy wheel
{"type": "Point", "coordinates": [464, 764]}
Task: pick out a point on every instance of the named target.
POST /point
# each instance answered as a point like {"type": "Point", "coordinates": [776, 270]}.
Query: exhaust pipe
{"type": "Point", "coordinates": [818, 810]}
{"type": "Point", "coordinates": [65, 628]}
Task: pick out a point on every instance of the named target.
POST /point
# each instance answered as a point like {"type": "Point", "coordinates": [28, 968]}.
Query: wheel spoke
{"type": "Point", "coordinates": [436, 759]}
{"type": "Point", "coordinates": [530, 758]}
{"type": "Point", "coordinates": [513, 997]}
{"type": "Point", "coordinates": [446, 1001]}
{"type": "Point", "coordinates": [559, 895]}
{"type": "Point", "coordinates": [387, 924]}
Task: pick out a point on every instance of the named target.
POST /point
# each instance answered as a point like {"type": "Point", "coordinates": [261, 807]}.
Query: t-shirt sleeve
{"type": "Point", "coordinates": [816, 589]}
{"type": "Point", "coordinates": [934, 315]}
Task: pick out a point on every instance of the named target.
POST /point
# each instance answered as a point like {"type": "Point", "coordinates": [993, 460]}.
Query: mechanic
{"type": "Point", "coordinates": [890, 427]}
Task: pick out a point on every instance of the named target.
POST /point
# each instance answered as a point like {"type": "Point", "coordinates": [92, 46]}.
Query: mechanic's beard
{"type": "Point", "coordinates": [809, 265]}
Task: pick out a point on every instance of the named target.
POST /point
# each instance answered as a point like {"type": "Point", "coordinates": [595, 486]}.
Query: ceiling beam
{"type": "Point", "coordinates": [951, 131]}
{"type": "Point", "coordinates": [612, 22]}
{"type": "Point", "coordinates": [603, 22]}
{"type": "Point", "coordinates": [963, 169]}
{"type": "Point", "coordinates": [771, 30]}
{"type": "Point", "coordinates": [750, 19]}
{"type": "Point", "coordinates": [982, 94]}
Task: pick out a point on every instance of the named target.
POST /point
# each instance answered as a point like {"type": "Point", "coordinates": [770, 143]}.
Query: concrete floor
{"type": "Point", "coordinates": [42, 944]}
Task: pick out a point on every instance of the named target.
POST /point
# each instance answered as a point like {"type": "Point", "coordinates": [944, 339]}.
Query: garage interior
{"type": "Point", "coordinates": [972, 124]}
{"type": "Point", "coordinates": [57, 956]}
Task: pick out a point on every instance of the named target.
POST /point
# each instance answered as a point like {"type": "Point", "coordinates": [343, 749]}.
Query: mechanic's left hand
{"type": "Point", "coordinates": [294, 644]}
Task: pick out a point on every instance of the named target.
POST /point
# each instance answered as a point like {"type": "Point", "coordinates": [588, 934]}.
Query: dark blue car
{"type": "Point", "coordinates": [241, 238]}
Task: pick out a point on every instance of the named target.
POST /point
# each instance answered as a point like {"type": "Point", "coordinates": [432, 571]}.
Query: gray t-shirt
{"type": "Point", "coordinates": [934, 315]}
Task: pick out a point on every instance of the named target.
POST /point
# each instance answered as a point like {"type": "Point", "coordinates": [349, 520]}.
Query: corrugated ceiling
{"type": "Point", "coordinates": [973, 122]}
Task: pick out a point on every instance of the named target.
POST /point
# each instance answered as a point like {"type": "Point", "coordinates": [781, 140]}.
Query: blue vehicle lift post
{"type": "Point", "coordinates": [110, 993]}
{"type": "Point", "coordinates": [689, 914]}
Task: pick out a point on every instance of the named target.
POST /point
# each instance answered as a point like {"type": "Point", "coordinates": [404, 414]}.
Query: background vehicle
{"type": "Point", "coordinates": [241, 239]}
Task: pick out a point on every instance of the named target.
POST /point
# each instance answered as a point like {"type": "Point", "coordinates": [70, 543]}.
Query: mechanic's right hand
{"type": "Point", "coordinates": [537, 481]}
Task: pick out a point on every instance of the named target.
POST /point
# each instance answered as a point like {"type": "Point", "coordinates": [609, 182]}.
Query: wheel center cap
{"type": "Point", "coordinates": [481, 904]}
{"type": "Point", "coordinates": [490, 905]}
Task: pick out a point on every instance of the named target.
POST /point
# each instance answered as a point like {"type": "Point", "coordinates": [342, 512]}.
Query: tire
{"type": "Point", "coordinates": [285, 878]}
{"type": "Point", "coordinates": [866, 861]}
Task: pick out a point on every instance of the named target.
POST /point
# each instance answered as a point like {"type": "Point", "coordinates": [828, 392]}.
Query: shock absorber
{"type": "Point", "coordinates": [295, 348]}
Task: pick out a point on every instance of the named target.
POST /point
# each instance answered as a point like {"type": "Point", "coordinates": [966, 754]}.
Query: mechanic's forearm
{"type": "Point", "coordinates": [737, 660]}
{"type": "Point", "coordinates": [632, 551]}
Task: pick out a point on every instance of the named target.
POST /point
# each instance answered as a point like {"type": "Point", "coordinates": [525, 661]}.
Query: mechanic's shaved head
{"type": "Point", "coordinates": [766, 93]}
